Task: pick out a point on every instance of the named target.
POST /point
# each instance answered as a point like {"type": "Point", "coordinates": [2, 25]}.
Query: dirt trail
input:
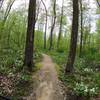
{"type": "Point", "coordinates": [48, 88]}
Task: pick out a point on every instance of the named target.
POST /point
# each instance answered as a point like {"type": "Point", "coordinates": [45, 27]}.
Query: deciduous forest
{"type": "Point", "coordinates": [49, 49]}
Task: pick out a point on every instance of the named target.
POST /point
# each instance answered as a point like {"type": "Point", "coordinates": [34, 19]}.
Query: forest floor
{"type": "Point", "coordinates": [48, 87]}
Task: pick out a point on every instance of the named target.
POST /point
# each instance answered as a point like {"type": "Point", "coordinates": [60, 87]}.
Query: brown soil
{"type": "Point", "coordinates": [48, 87]}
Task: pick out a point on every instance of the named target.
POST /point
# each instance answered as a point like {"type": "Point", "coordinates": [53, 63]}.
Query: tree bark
{"type": "Point", "coordinates": [45, 33]}
{"type": "Point", "coordinates": [28, 60]}
{"type": "Point", "coordinates": [60, 28]}
{"type": "Point", "coordinates": [98, 3]}
{"type": "Point", "coordinates": [53, 25]}
{"type": "Point", "coordinates": [1, 3]}
{"type": "Point", "coordinates": [8, 11]}
{"type": "Point", "coordinates": [74, 35]}
{"type": "Point", "coordinates": [81, 37]}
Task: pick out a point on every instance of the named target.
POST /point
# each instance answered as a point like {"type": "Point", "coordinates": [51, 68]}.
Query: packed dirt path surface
{"type": "Point", "coordinates": [48, 88]}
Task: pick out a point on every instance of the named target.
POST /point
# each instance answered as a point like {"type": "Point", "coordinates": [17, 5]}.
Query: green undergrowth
{"type": "Point", "coordinates": [59, 58]}
{"type": "Point", "coordinates": [26, 84]}
{"type": "Point", "coordinates": [13, 73]}
{"type": "Point", "coordinates": [85, 79]}
{"type": "Point", "coordinates": [37, 67]}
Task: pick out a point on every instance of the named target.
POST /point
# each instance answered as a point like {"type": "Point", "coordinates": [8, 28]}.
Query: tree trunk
{"type": "Point", "coordinates": [53, 25]}
{"type": "Point", "coordinates": [45, 33]}
{"type": "Point", "coordinates": [1, 3]}
{"type": "Point", "coordinates": [28, 61]}
{"type": "Point", "coordinates": [74, 35]}
{"type": "Point", "coordinates": [81, 37]}
{"type": "Point", "coordinates": [8, 10]}
{"type": "Point", "coordinates": [98, 3]}
{"type": "Point", "coordinates": [60, 29]}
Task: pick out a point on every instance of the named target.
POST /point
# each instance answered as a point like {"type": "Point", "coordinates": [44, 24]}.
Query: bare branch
{"type": "Point", "coordinates": [98, 3]}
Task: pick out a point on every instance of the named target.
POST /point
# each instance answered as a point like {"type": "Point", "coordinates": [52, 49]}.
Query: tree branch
{"type": "Point", "coordinates": [98, 3]}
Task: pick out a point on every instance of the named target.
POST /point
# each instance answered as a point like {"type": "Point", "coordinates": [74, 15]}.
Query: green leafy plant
{"type": "Point", "coordinates": [82, 89]}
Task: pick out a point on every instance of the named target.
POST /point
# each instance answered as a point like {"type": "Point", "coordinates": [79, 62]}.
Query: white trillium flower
{"type": "Point", "coordinates": [92, 90]}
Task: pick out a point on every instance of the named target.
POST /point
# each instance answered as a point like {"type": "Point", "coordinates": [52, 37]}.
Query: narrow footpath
{"type": "Point", "coordinates": [48, 88]}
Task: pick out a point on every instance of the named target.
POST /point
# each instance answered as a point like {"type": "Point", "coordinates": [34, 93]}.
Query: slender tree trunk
{"type": "Point", "coordinates": [28, 61]}
{"type": "Point", "coordinates": [81, 37]}
{"type": "Point", "coordinates": [53, 26]}
{"type": "Point", "coordinates": [60, 29]}
{"type": "Point", "coordinates": [37, 11]}
{"type": "Point", "coordinates": [45, 33]}
{"type": "Point", "coordinates": [74, 35]}
{"type": "Point", "coordinates": [85, 40]}
{"type": "Point", "coordinates": [1, 3]}
{"type": "Point", "coordinates": [98, 3]}
{"type": "Point", "coordinates": [89, 42]}
{"type": "Point", "coordinates": [8, 11]}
